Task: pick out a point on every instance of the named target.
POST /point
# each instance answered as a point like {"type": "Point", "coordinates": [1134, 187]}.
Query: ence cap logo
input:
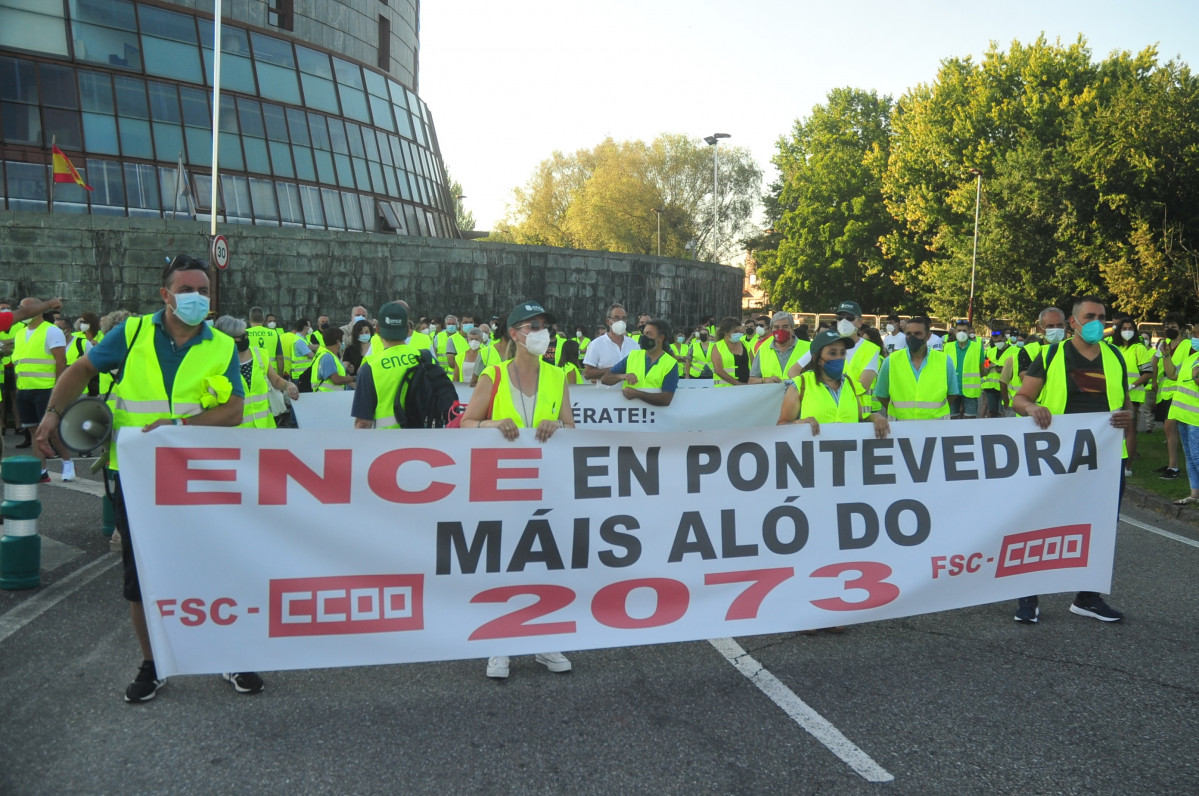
{"type": "Point", "coordinates": [388, 319]}
{"type": "Point", "coordinates": [531, 307]}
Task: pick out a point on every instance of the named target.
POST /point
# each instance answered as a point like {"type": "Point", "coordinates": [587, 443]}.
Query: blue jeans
{"type": "Point", "coordinates": [1188, 435]}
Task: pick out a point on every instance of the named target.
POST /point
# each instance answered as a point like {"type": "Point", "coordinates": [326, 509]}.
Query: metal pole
{"type": "Point", "coordinates": [715, 206]}
{"type": "Point", "coordinates": [974, 260]}
{"type": "Point", "coordinates": [658, 213]}
{"type": "Point", "coordinates": [216, 107]}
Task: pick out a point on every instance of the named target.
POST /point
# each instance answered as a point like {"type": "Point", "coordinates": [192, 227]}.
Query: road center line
{"type": "Point", "coordinates": [800, 712]}
{"type": "Point", "coordinates": [1158, 531]}
{"type": "Point", "coordinates": [39, 603]}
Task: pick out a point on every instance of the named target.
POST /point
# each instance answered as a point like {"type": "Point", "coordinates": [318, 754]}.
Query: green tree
{"type": "Point", "coordinates": [827, 210]}
{"type": "Point", "coordinates": [604, 198]}
{"type": "Point", "coordinates": [463, 217]}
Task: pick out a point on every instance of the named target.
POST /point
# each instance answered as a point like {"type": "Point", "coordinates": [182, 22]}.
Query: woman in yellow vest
{"type": "Point", "coordinates": [523, 392]}
{"type": "Point", "coordinates": [88, 335]}
{"type": "Point", "coordinates": [823, 394]}
{"type": "Point", "coordinates": [730, 357]}
{"type": "Point", "coordinates": [701, 355]}
{"type": "Point", "coordinates": [1184, 409]}
{"type": "Point", "coordinates": [1138, 361]}
{"type": "Point", "coordinates": [256, 375]}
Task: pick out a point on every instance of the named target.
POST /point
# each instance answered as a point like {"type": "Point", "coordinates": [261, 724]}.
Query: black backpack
{"type": "Point", "coordinates": [426, 397]}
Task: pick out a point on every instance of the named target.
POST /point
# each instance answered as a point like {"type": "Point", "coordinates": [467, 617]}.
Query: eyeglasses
{"type": "Point", "coordinates": [535, 326]}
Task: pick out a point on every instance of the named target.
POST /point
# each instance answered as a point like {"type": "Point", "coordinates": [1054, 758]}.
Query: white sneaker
{"type": "Point", "coordinates": [554, 661]}
{"type": "Point", "coordinates": [68, 471]}
{"type": "Point", "coordinates": [497, 666]}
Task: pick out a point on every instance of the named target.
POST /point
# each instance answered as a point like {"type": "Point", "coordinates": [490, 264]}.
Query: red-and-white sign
{"type": "Point", "coordinates": [219, 252]}
{"type": "Point", "coordinates": [263, 550]}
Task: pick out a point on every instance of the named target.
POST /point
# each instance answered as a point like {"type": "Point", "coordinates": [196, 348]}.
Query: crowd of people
{"type": "Point", "coordinates": [171, 367]}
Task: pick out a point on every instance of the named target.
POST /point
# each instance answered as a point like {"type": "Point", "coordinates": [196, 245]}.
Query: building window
{"type": "Point", "coordinates": [281, 14]}
{"type": "Point", "coordinates": [384, 43]}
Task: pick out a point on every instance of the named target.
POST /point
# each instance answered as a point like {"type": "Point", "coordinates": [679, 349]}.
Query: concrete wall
{"type": "Point", "coordinates": [104, 263]}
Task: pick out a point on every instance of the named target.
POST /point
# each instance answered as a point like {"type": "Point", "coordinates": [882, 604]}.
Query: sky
{"type": "Point", "coordinates": [511, 81]}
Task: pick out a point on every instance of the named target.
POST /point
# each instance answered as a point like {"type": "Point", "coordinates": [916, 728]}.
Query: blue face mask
{"type": "Point", "coordinates": [1195, 343]}
{"type": "Point", "coordinates": [736, 337]}
{"type": "Point", "coordinates": [364, 338]}
{"type": "Point", "coordinates": [191, 308]}
{"type": "Point", "coordinates": [467, 328]}
{"type": "Point", "coordinates": [451, 328]}
{"type": "Point", "coordinates": [1092, 331]}
{"type": "Point", "coordinates": [834, 368]}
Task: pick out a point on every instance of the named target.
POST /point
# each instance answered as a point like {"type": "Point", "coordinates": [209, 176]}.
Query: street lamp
{"type": "Point", "coordinates": [714, 142]}
{"type": "Point", "coordinates": [978, 192]}
{"type": "Point", "coordinates": [659, 214]}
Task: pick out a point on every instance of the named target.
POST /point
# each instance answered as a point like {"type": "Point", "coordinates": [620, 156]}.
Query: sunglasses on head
{"type": "Point", "coordinates": [185, 263]}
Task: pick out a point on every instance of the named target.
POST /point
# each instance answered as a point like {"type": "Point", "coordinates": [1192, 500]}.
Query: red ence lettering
{"type": "Point", "coordinates": [384, 476]}
{"type": "Point", "coordinates": [346, 604]}
{"type": "Point", "coordinates": [173, 475]}
{"type": "Point", "coordinates": [1063, 547]}
{"type": "Point", "coordinates": [486, 474]}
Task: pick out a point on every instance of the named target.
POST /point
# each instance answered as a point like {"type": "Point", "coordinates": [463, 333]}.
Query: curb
{"type": "Point", "coordinates": [1154, 502]}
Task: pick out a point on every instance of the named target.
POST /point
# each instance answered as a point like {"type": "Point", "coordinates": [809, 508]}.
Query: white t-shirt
{"type": "Point", "coordinates": [894, 342]}
{"type": "Point", "coordinates": [54, 337]}
{"type": "Point", "coordinates": [936, 343]}
{"type": "Point", "coordinates": [603, 353]}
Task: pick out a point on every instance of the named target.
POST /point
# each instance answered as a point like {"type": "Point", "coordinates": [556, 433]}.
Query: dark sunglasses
{"type": "Point", "coordinates": [535, 326]}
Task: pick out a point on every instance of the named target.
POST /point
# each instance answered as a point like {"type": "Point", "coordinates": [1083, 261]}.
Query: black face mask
{"type": "Point", "coordinates": [703, 336]}
{"type": "Point", "coordinates": [49, 317]}
{"type": "Point", "coordinates": [325, 325]}
{"type": "Point", "coordinates": [646, 343]}
{"type": "Point", "coordinates": [915, 343]}
{"type": "Point", "coordinates": [1171, 334]}
{"type": "Point", "coordinates": [243, 343]}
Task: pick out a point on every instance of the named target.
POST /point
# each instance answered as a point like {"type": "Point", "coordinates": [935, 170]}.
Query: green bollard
{"type": "Point", "coordinates": [21, 547]}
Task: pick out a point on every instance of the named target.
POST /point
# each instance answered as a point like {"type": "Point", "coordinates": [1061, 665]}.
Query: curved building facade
{"type": "Point", "coordinates": [320, 123]}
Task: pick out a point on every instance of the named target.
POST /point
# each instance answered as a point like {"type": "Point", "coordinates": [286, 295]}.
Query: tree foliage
{"type": "Point", "coordinates": [827, 207]}
{"type": "Point", "coordinates": [1088, 185]}
{"type": "Point", "coordinates": [605, 198]}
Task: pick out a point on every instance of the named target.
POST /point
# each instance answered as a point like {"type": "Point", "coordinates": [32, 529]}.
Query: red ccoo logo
{"type": "Point", "coordinates": [346, 604]}
{"type": "Point", "coordinates": [1064, 547]}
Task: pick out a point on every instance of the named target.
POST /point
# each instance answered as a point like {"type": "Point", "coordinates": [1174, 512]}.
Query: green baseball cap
{"type": "Point", "coordinates": [526, 310]}
{"type": "Point", "coordinates": [393, 321]}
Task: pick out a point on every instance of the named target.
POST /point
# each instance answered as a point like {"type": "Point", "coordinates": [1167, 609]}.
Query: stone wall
{"type": "Point", "coordinates": [104, 263]}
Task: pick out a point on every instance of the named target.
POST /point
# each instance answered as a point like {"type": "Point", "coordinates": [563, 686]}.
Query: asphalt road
{"type": "Point", "coordinates": [959, 702]}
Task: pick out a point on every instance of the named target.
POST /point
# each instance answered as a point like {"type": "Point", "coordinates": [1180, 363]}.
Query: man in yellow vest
{"type": "Point", "coordinates": [12, 325]}
{"type": "Point", "coordinates": [40, 357]}
{"type": "Point", "coordinates": [175, 370]}
{"type": "Point", "coordinates": [649, 368]}
{"type": "Point", "coordinates": [265, 340]}
{"type": "Point", "coordinates": [1083, 374]}
{"type": "Point", "coordinates": [1184, 408]}
{"type": "Point", "coordinates": [297, 353]}
{"type": "Point", "coordinates": [380, 375]}
{"type": "Point", "coordinates": [775, 360]}
{"type": "Point", "coordinates": [915, 382]}
{"type": "Point", "coordinates": [967, 356]}
{"type": "Point", "coordinates": [862, 358]}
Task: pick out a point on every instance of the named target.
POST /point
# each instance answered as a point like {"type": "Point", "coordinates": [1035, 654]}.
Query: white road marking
{"type": "Point", "coordinates": [800, 712]}
{"type": "Point", "coordinates": [39, 603]}
{"type": "Point", "coordinates": [1158, 531]}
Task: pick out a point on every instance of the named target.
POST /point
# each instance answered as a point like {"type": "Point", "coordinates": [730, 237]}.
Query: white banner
{"type": "Point", "coordinates": [603, 408]}
{"type": "Point", "coordinates": [262, 550]}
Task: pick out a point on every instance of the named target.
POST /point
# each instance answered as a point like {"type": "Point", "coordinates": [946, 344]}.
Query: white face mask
{"type": "Point", "coordinates": [474, 344]}
{"type": "Point", "coordinates": [618, 328]}
{"type": "Point", "coordinates": [760, 330]}
{"type": "Point", "coordinates": [890, 328]}
{"type": "Point", "coordinates": [1127, 334]}
{"type": "Point", "coordinates": [538, 342]}
{"type": "Point", "coordinates": [83, 327]}
{"type": "Point", "coordinates": [962, 337]}
{"type": "Point", "coordinates": [1055, 335]}
{"type": "Point", "coordinates": [271, 325]}
{"type": "Point", "coordinates": [845, 327]}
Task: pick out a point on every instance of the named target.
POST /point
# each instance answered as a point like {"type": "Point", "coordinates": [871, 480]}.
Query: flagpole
{"type": "Point", "coordinates": [216, 105]}
{"type": "Point", "coordinates": [53, 144]}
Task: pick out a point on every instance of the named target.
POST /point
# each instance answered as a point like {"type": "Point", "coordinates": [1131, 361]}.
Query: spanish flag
{"type": "Point", "coordinates": [64, 171]}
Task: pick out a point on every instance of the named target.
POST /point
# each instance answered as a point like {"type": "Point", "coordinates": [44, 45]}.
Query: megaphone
{"type": "Point", "coordinates": [85, 425]}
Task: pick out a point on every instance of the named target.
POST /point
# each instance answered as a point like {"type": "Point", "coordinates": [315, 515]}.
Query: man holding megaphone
{"type": "Point", "coordinates": [173, 370]}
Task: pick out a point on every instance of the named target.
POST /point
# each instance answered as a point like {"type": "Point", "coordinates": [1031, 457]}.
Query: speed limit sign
{"type": "Point", "coordinates": [219, 252]}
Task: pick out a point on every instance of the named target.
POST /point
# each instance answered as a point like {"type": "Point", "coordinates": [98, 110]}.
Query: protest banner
{"type": "Point", "coordinates": [603, 408]}
{"type": "Point", "coordinates": [263, 550]}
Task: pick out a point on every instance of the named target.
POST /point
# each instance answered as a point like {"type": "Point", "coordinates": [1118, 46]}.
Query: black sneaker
{"type": "Point", "coordinates": [145, 685]}
{"type": "Point", "coordinates": [1027, 611]}
{"type": "Point", "coordinates": [245, 682]}
{"type": "Point", "coordinates": [45, 477]}
{"type": "Point", "coordinates": [1170, 474]}
{"type": "Point", "coordinates": [1162, 469]}
{"type": "Point", "coordinates": [1094, 607]}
